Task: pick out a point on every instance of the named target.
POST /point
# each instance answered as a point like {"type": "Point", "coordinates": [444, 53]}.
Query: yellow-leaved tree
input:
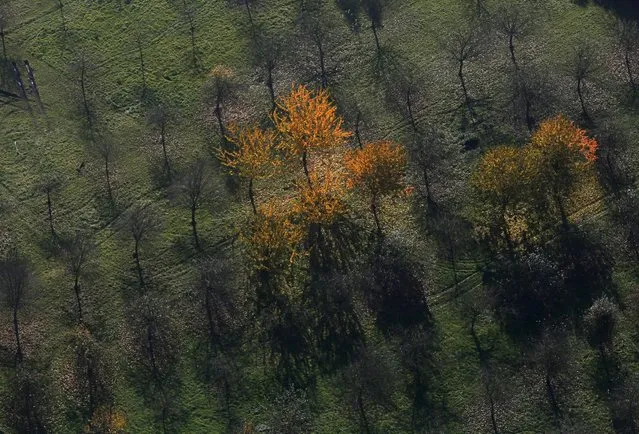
{"type": "Point", "coordinates": [254, 156]}
{"type": "Point", "coordinates": [308, 122]}
{"type": "Point", "coordinates": [377, 170]}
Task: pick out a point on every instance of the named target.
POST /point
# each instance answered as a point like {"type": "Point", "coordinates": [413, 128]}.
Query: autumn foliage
{"type": "Point", "coordinates": [523, 184]}
{"type": "Point", "coordinates": [304, 198]}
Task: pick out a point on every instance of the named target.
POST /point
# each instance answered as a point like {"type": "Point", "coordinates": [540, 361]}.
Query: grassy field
{"type": "Point", "coordinates": [35, 141]}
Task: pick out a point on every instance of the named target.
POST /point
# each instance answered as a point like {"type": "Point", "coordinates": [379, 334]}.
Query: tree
{"type": "Point", "coordinates": [267, 54]}
{"type": "Point", "coordinates": [81, 69]}
{"type": "Point", "coordinates": [627, 32]}
{"type": "Point", "coordinates": [502, 180]}
{"type": "Point", "coordinates": [105, 146]}
{"type": "Point", "coordinates": [308, 122]}
{"type": "Point", "coordinates": [370, 380]}
{"type": "Point", "coordinates": [582, 69]}
{"type": "Point", "coordinates": [6, 15]}
{"type": "Point", "coordinates": [50, 185]}
{"type": "Point", "coordinates": [78, 256]}
{"type": "Point", "coordinates": [195, 191]}
{"type": "Point", "coordinates": [142, 225]}
{"type": "Point", "coordinates": [560, 153]}
{"type": "Point", "coordinates": [219, 90]}
{"type": "Point", "coordinates": [599, 323]}
{"type": "Point", "coordinates": [378, 170]}
{"type": "Point", "coordinates": [464, 46]}
{"type": "Point", "coordinates": [374, 10]}
{"type": "Point", "coordinates": [254, 156]}
{"type": "Point", "coordinates": [159, 117]}
{"type": "Point", "coordinates": [14, 278]}
{"type": "Point", "coordinates": [317, 28]}
{"type": "Point", "coordinates": [512, 22]}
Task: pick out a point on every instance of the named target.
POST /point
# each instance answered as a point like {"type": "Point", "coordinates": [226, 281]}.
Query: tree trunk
{"type": "Point", "coordinates": [150, 338]}
{"type": "Point", "coordinates": [429, 195]}
{"type": "Point", "coordinates": [218, 113]}
{"type": "Point", "coordinates": [138, 265]}
{"type": "Point", "coordinates": [167, 165]}
{"type": "Point", "coordinates": [377, 44]}
{"type": "Point", "coordinates": [16, 332]}
{"type": "Point", "coordinates": [628, 68]}
{"type": "Point", "coordinates": [323, 76]}
{"type": "Point", "coordinates": [252, 196]}
{"type": "Point", "coordinates": [511, 48]}
{"type": "Point", "coordinates": [107, 172]}
{"type": "Point", "coordinates": [362, 413]}
{"type": "Point", "coordinates": [208, 305]}
{"type": "Point", "coordinates": [409, 105]}
{"type": "Point", "coordinates": [50, 212]}
{"type": "Point", "coordinates": [357, 135]}
{"type": "Point", "coordinates": [85, 101]}
{"type": "Point", "coordinates": [250, 16]}
{"type": "Point", "coordinates": [4, 46]}
{"type": "Point", "coordinates": [76, 290]}
{"type": "Point", "coordinates": [269, 84]}
{"type": "Point", "coordinates": [193, 46]}
{"type": "Point", "coordinates": [581, 98]}
{"type": "Point", "coordinates": [375, 212]}
{"type": "Point", "coordinates": [462, 81]}
{"type": "Point", "coordinates": [196, 239]}
{"type": "Point", "coordinates": [552, 397]}
{"type": "Point", "coordinates": [305, 165]}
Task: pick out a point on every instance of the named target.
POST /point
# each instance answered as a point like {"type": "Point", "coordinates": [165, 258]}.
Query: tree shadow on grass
{"type": "Point", "coordinates": [622, 8]}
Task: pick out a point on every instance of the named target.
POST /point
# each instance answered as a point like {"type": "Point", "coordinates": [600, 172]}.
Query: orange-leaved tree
{"type": "Point", "coordinates": [273, 235]}
{"type": "Point", "coordinates": [254, 156]}
{"type": "Point", "coordinates": [560, 153]}
{"type": "Point", "coordinates": [323, 200]}
{"type": "Point", "coordinates": [308, 121]}
{"type": "Point", "coordinates": [377, 170]}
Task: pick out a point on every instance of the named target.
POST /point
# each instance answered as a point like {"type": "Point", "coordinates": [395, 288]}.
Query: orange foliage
{"type": "Point", "coordinates": [559, 133]}
{"type": "Point", "coordinates": [379, 167]}
{"type": "Point", "coordinates": [274, 234]}
{"type": "Point", "coordinates": [324, 201]}
{"type": "Point", "coordinates": [308, 121]}
{"type": "Point", "coordinates": [254, 156]}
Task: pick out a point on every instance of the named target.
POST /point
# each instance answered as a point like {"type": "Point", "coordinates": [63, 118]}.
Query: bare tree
{"type": "Point", "coordinates": [512, 22]}
{"type": "Point", "coordinates": [6, 15]}
{"type": "Point", "coordinates": [219, 91]}
{"type": "Point", "coordinates": [195, 190]}
{"type": "Point", "coordinates": [374, 9]}
{"type": "Point", "coordinates": [159, 117]}
{"type": "Point", "coordinates": [189, 11]}
{"type": "Point", "coordinates": [628, 36]}
{"type": "Point", "coordinates": [106, 148]}
{"type": "Point", "coordinates": [267, 50]}
{"type": "Point", "coordinates": [78, 255]}
{"type": "Point", "coordinates": [142, 225]}
{"type": "Point", "coordinates": [14, 276]}
{"type": "Point", "coordinates": [582, 68]}
{"type": "Point", "coordinates": [50, 185]}
{"type": "Point", "coordinates": [81, 69]}
{"type": "Point", "coordinates": [369, 380]}
{"type": "Point", "coordinates": [462, 47]}
{"type": "Point", "coordinates": [317, 27]}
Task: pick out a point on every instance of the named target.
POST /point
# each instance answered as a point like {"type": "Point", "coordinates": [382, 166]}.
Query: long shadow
{"type": "Point", "coordinates": [622, 8]}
